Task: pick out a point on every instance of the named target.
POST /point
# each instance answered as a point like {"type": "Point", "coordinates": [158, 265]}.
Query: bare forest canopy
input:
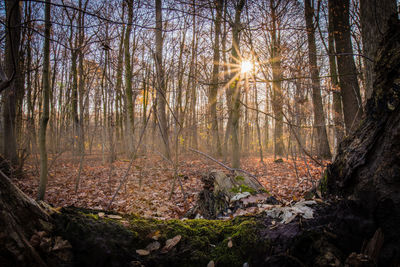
{"type": "Point", "coordinates": [238, 78]}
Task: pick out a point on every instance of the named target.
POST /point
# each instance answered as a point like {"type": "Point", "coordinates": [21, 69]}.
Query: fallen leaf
{"type": "Point", "coordinates": [60, 244]}
{"type": "Point", "coordinates": [101, 214]}
{"type": "Point", "coordinates": [154, 235]}
{"type": "Point", "coordinates": [230, 244]}
{"type": "Point", "coordinates": [142, 252]}
{"type": "Point", "coordinates": [171, 243]}
{"type": "Point", "coordinates": [153, 246]}
{"type": "Point", "coordinates": [211, 264]}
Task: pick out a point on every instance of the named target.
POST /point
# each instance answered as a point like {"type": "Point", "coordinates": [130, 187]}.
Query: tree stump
{"type": "Point", "coordinates": [221, 192]}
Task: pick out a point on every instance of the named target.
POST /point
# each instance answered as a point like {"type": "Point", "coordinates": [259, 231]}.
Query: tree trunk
{"type": "Point", "coordinates": [12, 71]}
{"type": "Point", "coordinates": [235, 87]}
{"type": "Point", "coordinates": [337, 97]}
{"type": "Point", "coordinates": [161, 88]}
{"type": "Point", "coordinates": [277, 97]}
{"type": "Point", "coordinates": [128, 78]}
{"type": "Point", "coordinates": [319, 117]}
{"type": "Point", "coordinates": [347, 69]}
{"type": "Point", "coordinates": [45, 114]}
{"type": "Point", "coordinates": [216, 143]}
{"type": "Point", "coordinates": [374, 16]}
{"type": "Point", "coordinates": [367, 164]}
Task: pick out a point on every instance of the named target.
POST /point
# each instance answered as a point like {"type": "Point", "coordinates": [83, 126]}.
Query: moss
{"type": "Point", "coordinates": [239, 178]}
{"type": "Point", "coordinates": [243, 188]}
{"type": "Point", "coordinates": [323, 183]}
{"type": "Point", "coordinates": [202, 240]}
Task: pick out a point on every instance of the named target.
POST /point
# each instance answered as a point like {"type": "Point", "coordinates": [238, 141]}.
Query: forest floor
{"type": "Point", "coordinates": [147, 189]}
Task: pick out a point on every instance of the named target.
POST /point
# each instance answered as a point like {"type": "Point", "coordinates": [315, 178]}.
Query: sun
{"type": "Point", "coordinates": [246, 66]}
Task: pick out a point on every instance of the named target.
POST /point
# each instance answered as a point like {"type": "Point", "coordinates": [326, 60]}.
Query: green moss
{"type": "Point", "coordinates": [323, 183]}
{"type": "Point", "coordinates": [202, 240]}
{"type": "Point", "coordinates": [243, 188]}
{"type": "Point", "coordinates": [239, 178]}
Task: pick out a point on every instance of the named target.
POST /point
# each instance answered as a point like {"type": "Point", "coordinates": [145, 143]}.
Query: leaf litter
{"type": "Point", "coordinates": [146, 191]}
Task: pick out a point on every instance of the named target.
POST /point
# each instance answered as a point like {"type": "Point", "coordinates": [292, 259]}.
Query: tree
{"type": "Point", "coordinates": [235, 87]}
{"type": "Point", "coordinates": [277, 97]}
{"type": "Point", "coordinates": [374, 16]}
{"type": "Point", "coordinates": [45, 115]}
{"type": "Point", "coordinates": [349, 87]}
{"type": "Point", "coordinates": [161, 88]}
{"type": "Point", "coordinates": [128, 77]}
{"type": "Point", "coordinates": [216, 143]}
{"type": "Point", "coordinates": [319, 117]}
{"type": "Point", "coordinates": [337, 97]}
{"type": "Point", "coordinates": [12, 72]}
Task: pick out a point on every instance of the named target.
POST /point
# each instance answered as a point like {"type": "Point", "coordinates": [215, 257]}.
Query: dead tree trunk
{"type": "Point", "coordinates": [367, 167]}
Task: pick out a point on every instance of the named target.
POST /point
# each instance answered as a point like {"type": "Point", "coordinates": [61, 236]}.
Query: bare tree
{"type": "Point", "coordinates": [319, 117]}
{"type": "Point", "coordinates": [45, 115]}
{"type": "Point", "coordinates": [349, 87]}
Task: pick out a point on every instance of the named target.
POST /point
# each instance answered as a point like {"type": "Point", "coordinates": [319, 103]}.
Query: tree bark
{"type": "Point", "coordinates": [12, 71]}
{"type": "Point", "coordinates": [216, 143]}
{"type": "Point", "coordinates": [367, 164]}
{"type": "Point", "coordinates": [128, 78]}
{"type": "Point", "coordinates": [349, 87]}
{"type": "Point", "coordinates": [319, 117]}
{"type": "Point", "coordinates": [277, 97]}
{"type": "Point", "coordinates": [45, 115]}
{"type": "Point", "coordinates": [234, 86]}
{"type": "Point", "coordinates": [161, 89]}
{"type": "Point", "coordinates": [374, 16]}
{"type": "Point", "coordinates": [337, 97]}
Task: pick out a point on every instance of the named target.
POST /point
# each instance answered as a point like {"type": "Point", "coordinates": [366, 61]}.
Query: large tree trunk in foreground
{"type": "Point", "coordinates": [358, 230]}
{"type": "Point", "coordinates": [367, 167]}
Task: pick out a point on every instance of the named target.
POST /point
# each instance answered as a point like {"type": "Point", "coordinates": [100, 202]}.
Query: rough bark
{"type": "Point", "coordinates": [219, 191]}
{"type": "Point", "coordinates": [366, 168]}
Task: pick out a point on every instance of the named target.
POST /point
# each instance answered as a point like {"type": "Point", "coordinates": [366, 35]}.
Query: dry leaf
{"type": "Point", "coordinates": [230, 244]}
{"type": "Point", "coordinates": [211, 264]}
{"type": "Point", "coordinates": [142, 252]}
{"type": "Point", "coordinates": [153, 246]}
{"type": "Point", "coordinates": [154, 235]}
{"type": "Point", "coordinates": [60, 244]}
{"type": "Point", "coordinates": [101, 214]}
{"type": "Point", "coordinates": [171, 243]}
